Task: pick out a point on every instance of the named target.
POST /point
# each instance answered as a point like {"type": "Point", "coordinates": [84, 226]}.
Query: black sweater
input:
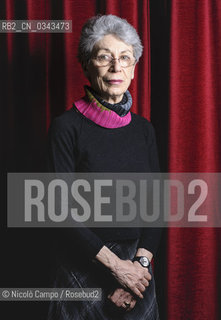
{"type": "Point", "coordinates": [77, 144]}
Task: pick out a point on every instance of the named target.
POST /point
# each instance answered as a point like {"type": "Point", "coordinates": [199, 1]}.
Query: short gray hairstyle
{"type": "Point", "coordinates": [101, 25]}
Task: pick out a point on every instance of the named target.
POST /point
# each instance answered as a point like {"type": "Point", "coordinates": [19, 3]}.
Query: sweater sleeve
{"type": "Point", "coordinates": [62, 159]}
{"type": "Point", "coordinates": [150, 237]}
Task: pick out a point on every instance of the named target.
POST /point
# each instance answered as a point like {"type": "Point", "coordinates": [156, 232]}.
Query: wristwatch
{"type": "Point", "coordinates": [144, 261]}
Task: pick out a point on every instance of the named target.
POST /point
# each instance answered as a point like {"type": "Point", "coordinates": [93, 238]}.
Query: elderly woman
{"type": "Point", "coordinates": [101, 134]}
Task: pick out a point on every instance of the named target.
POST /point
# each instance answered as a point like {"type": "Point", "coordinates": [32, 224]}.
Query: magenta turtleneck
{"type": "Point", "coordinates": [91, 108]}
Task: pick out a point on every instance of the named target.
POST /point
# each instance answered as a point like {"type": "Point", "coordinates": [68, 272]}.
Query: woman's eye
{"type": "Point", "coordinates": [104, 57]}
{"type": "Point", "coordinates": [125, 58]}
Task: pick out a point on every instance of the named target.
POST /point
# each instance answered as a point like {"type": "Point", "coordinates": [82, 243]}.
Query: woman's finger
{"type": "Point", "coordinates": [137, 292]}
{"type": "Point", "coordinates": [145, 283]}
{"type": "Point", "coordinates": [132, 305]}
{"type": "Point", "coordinates": [148, 276]}
{"type": "Point", "coordinates": [141, 287]}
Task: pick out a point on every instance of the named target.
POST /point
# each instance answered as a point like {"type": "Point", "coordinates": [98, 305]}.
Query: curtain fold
{"type": "Point", "coordinates": [194, 146]}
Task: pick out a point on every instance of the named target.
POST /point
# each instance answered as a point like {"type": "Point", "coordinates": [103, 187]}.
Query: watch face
{"type": "Point", "coordinates": [144, 261]}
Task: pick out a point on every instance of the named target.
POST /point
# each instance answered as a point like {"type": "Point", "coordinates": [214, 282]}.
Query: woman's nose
{"type": "Point", "coordinates": [115, 65]}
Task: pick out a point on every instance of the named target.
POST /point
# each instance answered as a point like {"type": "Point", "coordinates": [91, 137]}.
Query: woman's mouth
{"type": "Point", "coordinates": [115, 81]}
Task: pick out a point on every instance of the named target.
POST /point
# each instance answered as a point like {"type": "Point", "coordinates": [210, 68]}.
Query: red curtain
{"type": "Point", "coordinates": [194, 146]}
{"type": "Point", "coordinates": [41, 77]}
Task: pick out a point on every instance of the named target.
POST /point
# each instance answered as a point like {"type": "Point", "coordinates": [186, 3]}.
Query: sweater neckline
{"type": "Point", "coordinates": [92, 109]}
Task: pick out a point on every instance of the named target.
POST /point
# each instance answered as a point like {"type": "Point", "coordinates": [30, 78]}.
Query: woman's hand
{"type": "Point", "coordinates": [122, 299]}
{"type": "Point", "coordinates": [130, 275]}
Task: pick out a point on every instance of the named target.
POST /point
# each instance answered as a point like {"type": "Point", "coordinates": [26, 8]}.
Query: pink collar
{"type": "Point", "coordinates": [101, 115]}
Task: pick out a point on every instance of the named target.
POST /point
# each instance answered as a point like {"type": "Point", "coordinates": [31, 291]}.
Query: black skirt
{"type": "Point", "coordinates": [92, 275]}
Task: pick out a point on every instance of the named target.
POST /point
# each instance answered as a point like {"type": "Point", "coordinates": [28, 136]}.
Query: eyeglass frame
{"type": "Point", "coordinates": [113, 59]}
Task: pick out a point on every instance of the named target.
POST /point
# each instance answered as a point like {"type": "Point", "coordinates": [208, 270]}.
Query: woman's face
{"type": "Point", "coordinates": [110, 81]}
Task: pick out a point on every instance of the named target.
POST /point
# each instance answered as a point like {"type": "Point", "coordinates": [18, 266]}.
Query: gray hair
{"type": "Point", "coordinates": [97, 27]}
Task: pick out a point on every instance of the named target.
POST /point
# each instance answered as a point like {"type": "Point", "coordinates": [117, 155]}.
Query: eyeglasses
{"type": "Point", "coordinates": [106, 60]}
